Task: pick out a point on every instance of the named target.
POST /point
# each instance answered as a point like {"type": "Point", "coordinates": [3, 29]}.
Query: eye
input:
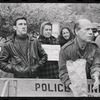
{"type": "Point", "coordinates": [64, 33]}
{"type": "Point", "coordinates": [20, 24]}
{"type": "Point", "coordinates": [49, 29]}
{"type": "Point", "coordinates": [46, 29]}
{"type": "Point", "coordinates": [25, 24]}
{"type": "Point", "coordinates": [87, 29]}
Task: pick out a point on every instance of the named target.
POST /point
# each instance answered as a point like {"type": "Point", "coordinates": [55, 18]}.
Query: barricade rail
{"type": "Point", "coordinates": [13, 87]}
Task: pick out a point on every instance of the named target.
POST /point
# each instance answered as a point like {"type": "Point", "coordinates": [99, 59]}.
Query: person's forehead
{"type": "Point", "coordinates": [47, 26]}
{"type": "Point", "coordinates": [86, 24]}
{"type": "Point", "coordinates": [65, 29]}
{"type": "Point", "coordinates": [21, 21]}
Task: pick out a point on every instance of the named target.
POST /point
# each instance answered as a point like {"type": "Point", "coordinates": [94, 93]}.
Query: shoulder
{"type": "Point", "coordinates": [97, 41]}
{"type": "Point", "coordinates": [41, 37]}
{"type": "Point", "coordinates": [68, 44]}
{"type": "Point", "coordinates": [94, 43]}
{"type": "Point", "coordinates": [98, 38]}
{"type": "Point", "coordinates": [52, 37]}
{"type": "Point", "coordinates": [9, 38]}
{"type": "Point", "coordinates": [8, 41]}
{"type": "Point", "coordinates": [34, 40]}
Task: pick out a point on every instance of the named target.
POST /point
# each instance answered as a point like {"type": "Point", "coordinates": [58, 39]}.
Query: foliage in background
{"type": "Point", "coordinates": [64, 13]}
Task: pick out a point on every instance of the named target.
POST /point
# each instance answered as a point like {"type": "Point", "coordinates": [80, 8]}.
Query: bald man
{"type": "Point", "coordinates": [81, 47]}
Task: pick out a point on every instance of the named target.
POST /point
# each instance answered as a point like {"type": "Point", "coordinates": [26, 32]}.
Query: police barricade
{"type": "Point", "coordinates": [4, 87]}
{"type": "Point", "coordinates": [40, 88]}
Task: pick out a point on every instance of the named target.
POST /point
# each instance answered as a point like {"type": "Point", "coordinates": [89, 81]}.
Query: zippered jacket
{"type": "Point", "coordinates": [14, 61]}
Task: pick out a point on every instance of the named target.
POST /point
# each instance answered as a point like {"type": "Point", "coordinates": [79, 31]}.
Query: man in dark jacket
{"type": "Point", "coordinates": [81, 48]}
{"type": "Point", "coordinates": [22, 55]}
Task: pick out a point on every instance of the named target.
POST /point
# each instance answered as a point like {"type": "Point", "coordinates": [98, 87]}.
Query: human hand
{"type": "Point", "coordinates": [20, 70]}
{"type": "Point", "coordinates": [96, 83]}
{"type": "Point", "coordinates": [34, 68]}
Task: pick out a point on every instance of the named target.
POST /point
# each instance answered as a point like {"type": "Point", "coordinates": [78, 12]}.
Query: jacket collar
{"type": "Point", "coordinates": [12, 37]}
{"type": "Point", "coordinates": [77, 48]}
{"type": "Point", "coordinates": [80, 44]}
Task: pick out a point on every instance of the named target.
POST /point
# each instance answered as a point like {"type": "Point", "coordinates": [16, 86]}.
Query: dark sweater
{"type": "Point", "coordinates": [23, 43]}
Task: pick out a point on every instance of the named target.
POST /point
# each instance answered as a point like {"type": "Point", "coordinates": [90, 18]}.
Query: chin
{"type": "Point", "coordinates": [89, 40]}
{"type": "Point", "coordinates": [47, 36]}
{"type": "Point", "coordinates": [24, 33]}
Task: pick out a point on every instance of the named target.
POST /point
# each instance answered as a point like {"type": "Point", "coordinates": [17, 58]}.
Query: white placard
{"type": "Point", "coordinates": [52, 52]}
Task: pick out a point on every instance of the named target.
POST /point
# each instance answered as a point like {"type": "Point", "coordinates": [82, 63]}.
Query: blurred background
{"type": "Point", "coordinates": [60, 14]}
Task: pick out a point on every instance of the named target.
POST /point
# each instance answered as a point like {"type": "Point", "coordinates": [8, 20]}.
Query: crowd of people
{"type": "Point", "coordinates": [23, 55]}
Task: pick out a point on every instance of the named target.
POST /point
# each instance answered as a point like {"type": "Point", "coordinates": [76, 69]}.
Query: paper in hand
{"type": "Point", "coordinates": [77, 75]}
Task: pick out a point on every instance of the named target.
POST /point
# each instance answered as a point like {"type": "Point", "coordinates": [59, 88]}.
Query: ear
{"type": "Point", "coordinates": [76, 31]}
{"type": "Point", "coordinates": [14, 27]}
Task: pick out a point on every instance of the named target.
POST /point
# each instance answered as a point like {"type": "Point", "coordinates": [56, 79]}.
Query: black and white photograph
{"type": "Point", "coordinates": [49, 50]}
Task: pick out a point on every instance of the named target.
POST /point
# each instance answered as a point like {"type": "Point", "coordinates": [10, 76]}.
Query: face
{"type": "Point", "coordinates": [85, 31]}
{"type": "Point", "coordinates": [98, 29]}
{"type": "Point", "coordinates": [65, 34]}
{"type": "Point", "coordinates": [21, 27]}
{"type": "Point", "coordinates": [47, 31]}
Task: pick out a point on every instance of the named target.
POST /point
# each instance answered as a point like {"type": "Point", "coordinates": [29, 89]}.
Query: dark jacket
{"type": "Point", "coordinates": [52, 40]}
{"type": "Point", "coordinates": [50, 70]}
{"type": "Point", "coordinates": [70, 51]}
{"type": "Point", "coordinates": [13, 60]}
{"type": "Point", "coordinates": [97, 41]}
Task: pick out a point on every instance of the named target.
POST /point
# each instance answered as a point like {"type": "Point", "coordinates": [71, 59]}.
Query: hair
{"type": "Point", "coordinates": [48, 24]}
{"type": "Point", "coordinates": [20, 18]}
{"type": "Point", "coordinates": [43, 25]}
{"type": "Point", "coordinates": [62, 40]}
{"type": "Point", "coordinates": [76, 26]}
{"type": "Point", "coordinates": [78, 23]}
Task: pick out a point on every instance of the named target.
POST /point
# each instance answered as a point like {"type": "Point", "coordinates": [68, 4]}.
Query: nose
{"type": "Point", "coordinates": [90, 32]}
{"type": "Point", "coordinates": [24, 26]}
{"type": "Point", "coordinates": [49, 31]}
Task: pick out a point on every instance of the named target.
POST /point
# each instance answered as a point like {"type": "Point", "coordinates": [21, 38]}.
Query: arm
{"type": "Point", "coordinates": [63, 73]}
{"type": "Point", "coordinates": [43, 55]}
{"type": "Point", "coordinates": [95, 68]}
{"type": "Point", "coordinates": [97, 41]}
{"type": "Point", "coordinates": [4, 57]}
